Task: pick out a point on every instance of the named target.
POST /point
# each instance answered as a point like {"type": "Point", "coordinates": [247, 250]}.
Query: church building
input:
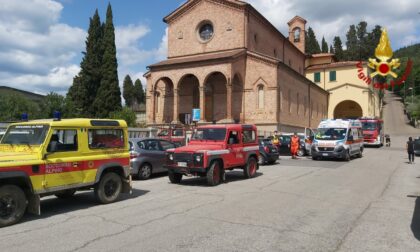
{"type": "Point", "coordinates": [229, 61]}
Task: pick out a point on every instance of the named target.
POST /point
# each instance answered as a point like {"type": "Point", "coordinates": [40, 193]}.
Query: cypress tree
{"type": "Point", "coordinates": [311, 43]}
{"type": "Point", "coordinates": [331, 49]}
{"type": "Point", "coordinates": [362, 40]}
{"type": "Point", "coordinates": [140, 96]}
{"type": "Point", "coordinates": [324, 45]}
{"type": "Point", "coordinates": [352, 43]}
{"type": "Point", "coordinates": [338, 49]}
{"type": "Point", "coordinates": [373, 40]}
{"type": "Point", "coordinates": [78, 98]}
{"type": "Point", "coordinates": [85, 86]}
{"type": "Point", "coordinates": [108, 97]}
{"type": "Point", "coordinates": [128, 91]}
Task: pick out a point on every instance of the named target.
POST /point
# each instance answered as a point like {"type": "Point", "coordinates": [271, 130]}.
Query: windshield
{"type": "Point", "coordinates": [209, 134]}
{"type": "Point", "coordinates": [25, 134]}
{"type": "Point", "coordinates": [331, 134]}
{"type": "Point", "coordinates": [369, 125]}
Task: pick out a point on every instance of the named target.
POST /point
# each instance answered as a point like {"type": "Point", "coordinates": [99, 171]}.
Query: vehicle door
{"type": "Point", "coordinates": [152, 152]}
{"type": "Point", "coordinates": [163, 146]}
{"type": "Point", "coordinates": [64, 163]}
{"type": "Point", "coordinates": [285, 145]}
{"type": "Point", "coordinates": [235, 148]}
{"type": "Point", "coordinates": [309, 137]}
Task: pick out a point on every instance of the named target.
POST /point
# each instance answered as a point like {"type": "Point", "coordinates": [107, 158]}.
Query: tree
{"type": "Point", "coordinates": [362, 40]}
{"type": "Point", "coordinates": [88, 80]}
{"type": "Point", "coordinates": [338, 48]}
{"type": "Point", "coordinates": [331, 49]}
{"type": "Point", "coordinates": [13, 105]}
{"type": "Point", "coordinates": [139, 92]}
{"type": "Point", "coordinates": [108, 98]}
{"type": "Point", "coordinates": [311, 44]}
{"type": "Point", "coordinates": [128, 91]}
{"type": "Point", "coordinates": [77, 97]}
{"type": "Point", "coordinates": [125, 114]}
{"type": "Point", "coordinates": [352, 44]}
{"type": "Point", "coordinates": [373, 40]}
{"type": "Point", "coordinates": [52, 102]}
{"type": "Point", "coordinates": [324, 45]}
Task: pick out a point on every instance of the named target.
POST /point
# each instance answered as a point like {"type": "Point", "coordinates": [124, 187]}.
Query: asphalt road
{"type": "Point", "coordinates": [367, 204]}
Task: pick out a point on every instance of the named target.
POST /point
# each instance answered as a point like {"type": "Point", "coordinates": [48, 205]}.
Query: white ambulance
{"type": "Point", "coordinates": [338, 138]}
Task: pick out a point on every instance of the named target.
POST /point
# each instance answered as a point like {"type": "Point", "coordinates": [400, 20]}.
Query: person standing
{"type": "Point", "coordinates": [294, 145]}
{"type": "Point", "coordinates": [276, 140]}
{"type": "Point", "coordinates": [410, 150]}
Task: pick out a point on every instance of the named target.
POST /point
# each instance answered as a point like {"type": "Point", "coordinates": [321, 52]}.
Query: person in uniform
{"type": "Point", "coordinates": [410, 150]}
{"type": "Point", "coordinates": [276, 140]}
{"type": "Point", "coordinates": [294, 145]}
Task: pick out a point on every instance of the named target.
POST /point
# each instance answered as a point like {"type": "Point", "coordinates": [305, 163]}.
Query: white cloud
{"type": "Point", "coordinates": [330, 18]}
{"type": "Point", "coordinates": [162, 51]}
{"type": "Point", "coordinates": [36, 51]}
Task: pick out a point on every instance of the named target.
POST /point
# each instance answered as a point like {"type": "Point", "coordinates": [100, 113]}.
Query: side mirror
{"type": "Point", "coordinates": [231, 141]}
{"type": "Point", "coordinates": [350, 138]}
{"type": "Point", "coordinates": [52, 147]}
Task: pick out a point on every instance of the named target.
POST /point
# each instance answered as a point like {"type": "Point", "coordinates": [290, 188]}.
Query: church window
{"type": "Point", "coordinates": [260, 97]}
{"type": "Point", "coordinates": [296, 35]}
{"type": "Point", "coordinates": [206, 31]}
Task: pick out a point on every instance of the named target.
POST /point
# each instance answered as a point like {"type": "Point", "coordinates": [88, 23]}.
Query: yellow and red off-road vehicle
{"type": "Point", "coordinates": [58, 157]}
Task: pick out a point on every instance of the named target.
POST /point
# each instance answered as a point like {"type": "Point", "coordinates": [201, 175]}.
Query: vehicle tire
{"type": "Point", "coordinates": [315, 158]}
{"type": "Point", "coordinates": [214, 174]}
{"type": "Point", "coordinates": [251, 168]}
{"type": "Point", "coordinates": [109, 188]}
{"type": "Point", "coordinates": [301, 153]}
{"type": "Point", "coordinates": [271, 162]}
{"type": "Point", "coordinates": [360, 155]}
{"type": "Point", "coordinates": [175, 178]}
{"type": "Point", "coordinates": [145, 171]}
{"type": "Point", "coordinates": [261, 160]}
{"type": "Point", "coordinates": [13, 204]}
{"type": "Point", "coordinates": [65, 194]}
{"type": "Point", "coordinates": [347, 156]}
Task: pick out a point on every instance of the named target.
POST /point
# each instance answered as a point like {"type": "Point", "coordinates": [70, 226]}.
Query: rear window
{"type": "Point", "coordinates": [106, 138]}
{"type": "Point", "coordinates": [248, 136]}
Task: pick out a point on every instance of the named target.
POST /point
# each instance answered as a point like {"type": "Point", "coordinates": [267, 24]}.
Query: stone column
{"type": "Point", "coordinates": [176, 106]}
{"type": "Point", "coordinates": [202, 105]}
{"type": "Point", "coordinates": [228, 103]}
{"type": "Point", "coordinates": [153, 98]}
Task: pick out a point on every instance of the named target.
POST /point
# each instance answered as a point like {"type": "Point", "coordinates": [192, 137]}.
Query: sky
{"type": "Point", "coordinates": [41, 41]}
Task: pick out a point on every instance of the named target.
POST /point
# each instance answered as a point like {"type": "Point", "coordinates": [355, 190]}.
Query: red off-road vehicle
{"type": "Point", "coordinates": [213, 149]}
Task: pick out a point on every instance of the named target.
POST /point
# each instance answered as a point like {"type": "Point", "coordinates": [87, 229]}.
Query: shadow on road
{"type": "Point", "coordinates": [415, 222]}
{"type": "Point", "coordinates": [52, 206]}
{"type": "Point", "coordinates": [231, 176]}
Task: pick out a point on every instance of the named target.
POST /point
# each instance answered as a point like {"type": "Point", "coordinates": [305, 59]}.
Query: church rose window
{"type": "Point", "coordinates": [206, 31]}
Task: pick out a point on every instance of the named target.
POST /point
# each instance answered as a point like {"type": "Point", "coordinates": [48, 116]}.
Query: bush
{"type": "Point", "coordinates": [125, 114]}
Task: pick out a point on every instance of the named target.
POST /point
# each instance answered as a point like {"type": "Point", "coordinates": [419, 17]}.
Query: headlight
{"type": "Point", "coordinates": [171, 156]}
{"type": "Point", "coordinates": [198, 158]}
{"type": "Point", "coordinates": [340, 144]}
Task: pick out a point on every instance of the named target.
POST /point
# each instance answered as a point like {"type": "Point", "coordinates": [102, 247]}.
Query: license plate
{"type": "Point", "coordinates": [182, 164]}
{"type": "Point", "coordinates": [325, 154]}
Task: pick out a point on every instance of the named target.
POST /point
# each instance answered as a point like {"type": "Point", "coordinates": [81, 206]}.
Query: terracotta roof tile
{"type": "Point", "coordinates": [334, 65]}
{"type": "Point", "coordinates": [198, 58]}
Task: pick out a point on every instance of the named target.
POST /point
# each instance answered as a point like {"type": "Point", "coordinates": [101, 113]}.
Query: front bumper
{"type": "Point", "coordinates": [339, 152]}
{"type": "Point", "coordinates": [371, 142]}
{"type": "Point", "coordinates": [186, 170]}
{"type": "Point", "coordinates": [270, 156]}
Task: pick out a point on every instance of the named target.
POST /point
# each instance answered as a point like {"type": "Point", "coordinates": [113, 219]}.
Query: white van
{"type": "Point", "coordinates": [338, 138]}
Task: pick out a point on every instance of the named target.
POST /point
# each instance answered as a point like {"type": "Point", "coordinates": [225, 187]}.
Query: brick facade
{"type": "Point", "coordinates": [247, 71]}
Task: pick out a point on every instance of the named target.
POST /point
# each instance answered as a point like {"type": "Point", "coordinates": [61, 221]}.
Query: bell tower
{"type": "Point", "coordinates": [297, 32]}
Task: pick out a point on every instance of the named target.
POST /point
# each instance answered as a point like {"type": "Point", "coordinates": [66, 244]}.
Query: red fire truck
{"type": "Point", "coordinates": [373, 131]}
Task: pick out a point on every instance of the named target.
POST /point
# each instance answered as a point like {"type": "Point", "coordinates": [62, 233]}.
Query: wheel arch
{"type": "Point", "coordinates": [18, 178]}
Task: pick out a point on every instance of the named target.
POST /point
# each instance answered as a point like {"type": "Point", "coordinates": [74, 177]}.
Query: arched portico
{"type": "Point", "coordinates": [348, 109]}
{"type": "Point", "coordinates": [215, 89]}
{"type": "Point", "coordinates": [163, 100]}
{"type": "Point", "coordinates": [188, 96]}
